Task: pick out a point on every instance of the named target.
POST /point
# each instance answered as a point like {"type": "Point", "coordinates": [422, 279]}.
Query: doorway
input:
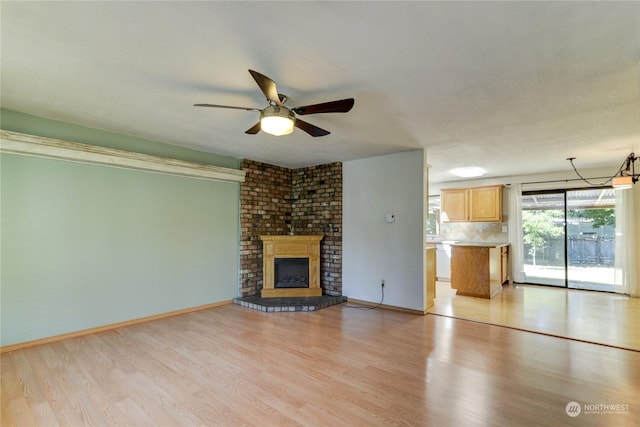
{"type": "Point", "coordinates": [569, 238]}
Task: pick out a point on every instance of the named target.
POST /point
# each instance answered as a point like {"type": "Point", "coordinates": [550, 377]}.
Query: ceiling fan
{"type": "Point", "coordinates": [277, 119]}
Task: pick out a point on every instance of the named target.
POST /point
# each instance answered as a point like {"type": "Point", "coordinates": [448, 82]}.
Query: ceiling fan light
{"type": "Point", "coordinates": [277, 121]}
{"type": "Point", "coordinates": [277, 126]}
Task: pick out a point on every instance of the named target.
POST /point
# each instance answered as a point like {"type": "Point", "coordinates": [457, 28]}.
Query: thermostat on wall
{"type": "Point", "coordinates": [390, 218]}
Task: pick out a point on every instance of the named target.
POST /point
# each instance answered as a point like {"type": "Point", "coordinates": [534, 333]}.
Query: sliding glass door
{"type": "Point", "coordinates": [543, 224]}
{"type": "Point", "coordinates": [569, 238]}
{"type": "Point", "coordinates": [591, 239]}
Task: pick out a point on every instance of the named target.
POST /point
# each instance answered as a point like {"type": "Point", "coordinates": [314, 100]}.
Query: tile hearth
{"type": "Point", "coordinates": [287, 304]}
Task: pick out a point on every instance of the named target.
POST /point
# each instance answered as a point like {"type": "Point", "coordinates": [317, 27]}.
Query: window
{"type": "Point", "coordinates": [433, 216]}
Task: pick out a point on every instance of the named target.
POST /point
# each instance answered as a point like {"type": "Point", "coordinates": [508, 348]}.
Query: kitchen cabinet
{"type": "Point", "coordinates": [504, 264]}
{"type": "Point", "coordinates": [475, 204]}
{"type": "Point", "coordinates": [455, 205]}
{"type": "Point", "coordinates": [430, 277]}
{"type": "Point", "coordinates": [477, 268]}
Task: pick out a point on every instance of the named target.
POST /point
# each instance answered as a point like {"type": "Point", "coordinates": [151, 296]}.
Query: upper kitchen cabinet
{"type": "Point", "coordinates": [454, 204]}
{"type": "Point", "coordinates": [485, 204]}
{"type": "Point", "coordinates": [476, 204]}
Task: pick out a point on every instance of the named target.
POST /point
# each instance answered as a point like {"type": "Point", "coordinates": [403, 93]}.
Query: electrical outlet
{"type": "Point", "coordinates": [382, 283]}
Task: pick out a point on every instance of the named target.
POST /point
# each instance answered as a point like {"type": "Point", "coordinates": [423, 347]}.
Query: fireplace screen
{"type": "Point", "coordinates": [291, 272]}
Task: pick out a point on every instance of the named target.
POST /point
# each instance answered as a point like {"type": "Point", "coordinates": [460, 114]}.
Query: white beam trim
{"type": "Point", "coordinates": [37, 146]}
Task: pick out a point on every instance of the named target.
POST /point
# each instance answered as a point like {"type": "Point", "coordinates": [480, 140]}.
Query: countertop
{"type": "Point", "coordinates": [480, 244]}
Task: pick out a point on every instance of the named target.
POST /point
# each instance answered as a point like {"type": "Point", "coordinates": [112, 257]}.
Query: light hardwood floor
{"type": "Point", "coordinates": [339, 366]}
{"type": "Point", "coordinates": [598, 317]}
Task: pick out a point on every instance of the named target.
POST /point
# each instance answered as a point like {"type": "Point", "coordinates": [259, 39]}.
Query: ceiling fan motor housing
{"type": "Point", "coordinates": [277, 111]}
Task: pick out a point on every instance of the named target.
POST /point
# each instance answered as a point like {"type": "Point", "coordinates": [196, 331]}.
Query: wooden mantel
{"type": "Point", "coordinates": [287, 246]}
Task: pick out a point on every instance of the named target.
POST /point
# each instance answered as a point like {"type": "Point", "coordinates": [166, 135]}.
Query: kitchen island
{"type": "Point", "coordinates": [478, 269]}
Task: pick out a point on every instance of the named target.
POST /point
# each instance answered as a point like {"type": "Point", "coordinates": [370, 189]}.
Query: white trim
{"type": "Point", "coordinates": [31, 145]}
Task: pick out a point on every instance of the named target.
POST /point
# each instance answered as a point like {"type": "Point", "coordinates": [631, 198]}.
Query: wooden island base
{"type": "Point", "coordinates": [478, 269]}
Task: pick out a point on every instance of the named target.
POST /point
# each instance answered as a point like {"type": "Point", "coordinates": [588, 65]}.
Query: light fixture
{"type": "Point", "coordinates": [468, 172]}
{"type": "Point", "coordinates": [277, 120]}
{"type": "Point", "coordinates": [623, 179]}
{"type": "Point", "coordinates": [622, 182]}
{"type": "Point", "coordinates": [628, 175]}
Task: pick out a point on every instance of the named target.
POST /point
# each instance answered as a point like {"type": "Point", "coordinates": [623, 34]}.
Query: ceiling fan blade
{"type": "Point", "coordinates": [267, 86]}
{"type": "Point", "coordinates": [310, 129]}
{"type": "Point", "coordinates": [341, 106]}
{"type": "Point", "coordinates": [226, 106]}
{"type": "Point", "coordinates": [254, 129]}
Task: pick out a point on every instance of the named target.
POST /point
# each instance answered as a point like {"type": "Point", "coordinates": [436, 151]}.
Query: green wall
{"type": "Point", "coordinates": [83, 246]}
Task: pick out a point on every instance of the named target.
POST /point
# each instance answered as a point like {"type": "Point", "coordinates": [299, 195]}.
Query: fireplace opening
{"type": "Point", "coordinates": [291, 272]}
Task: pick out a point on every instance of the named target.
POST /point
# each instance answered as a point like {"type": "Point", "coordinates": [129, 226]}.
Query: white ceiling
{"type": "Point", "coordinates": [513, 87]}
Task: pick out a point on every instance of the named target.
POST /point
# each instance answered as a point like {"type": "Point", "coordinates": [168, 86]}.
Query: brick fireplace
{"type": "Point", "coordinates": [276, 201]}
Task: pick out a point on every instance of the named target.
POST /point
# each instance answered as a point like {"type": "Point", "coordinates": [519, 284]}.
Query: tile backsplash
{"type": "Point", "coordinates": [474, 231]}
